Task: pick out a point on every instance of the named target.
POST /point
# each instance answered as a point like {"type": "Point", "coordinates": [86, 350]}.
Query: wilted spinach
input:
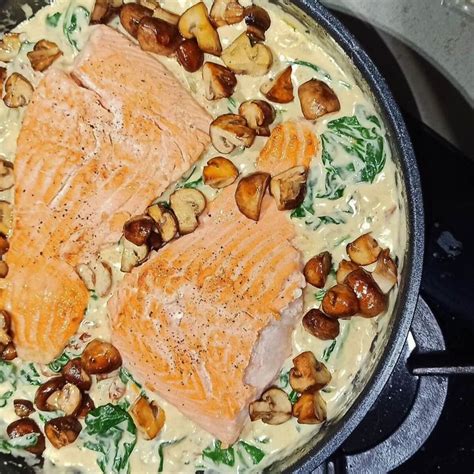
{"type": "Point", "coordinates": [74, 23]}
{"type": "Point", "coordinates": [53, 19]}
{"type": "Point", "coordinates": [59, 362]}
{"type": "Point", "coordinates": [161, 453]}
{"type": "Point", "coordinates": [328, 351]}
{"type": "Point", "coordinates": [312, 66]}
{"type": "Point", "coordinates": [218, 455]}
{"type": "Point", "coordinates": [255, 453]}
{"type": "Point", "coordinates": [30, 375]}
{"type": "Point", "coordinates": [10, 445]}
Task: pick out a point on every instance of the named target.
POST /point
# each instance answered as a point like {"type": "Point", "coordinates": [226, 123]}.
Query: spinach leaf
{"type": "Point", "coordinates": [187, 183]}
{"type": "Point", "coordinates": [319, 295]}
{"type": "Point", "coordinates": [255, 453]}
{"type": "Point", "coordinates": [73, 25]}
{"type": "Point", "coordinates": [60, 362]}
{"type": "Point", "coordinates": [7, 372]}
{"type": "Point", "coordinates": [293, 397]}
{"type": "Point", "coordinates": [125, 376]}
{"type": "Point", "coordinates": [312, 66]}
{"type": "Point", "coordinates": [232, 105]}
{"type": "Point", "coordinates": [218, 455]}
{"type": "Point", "coordinates": [10, 445]}
{"type": "Point", "coordinates": [161, 453]}
{"type": "Point", "coordinates": [284, 379]}
{"type": "Point", "coordinates": [30, 375]}
{"type": "Point", "coordinates": [53, 19]}
{"type": "Point", "coordinates": [4, 398]}
{"type": "Point", "coordinates": [328, 351]}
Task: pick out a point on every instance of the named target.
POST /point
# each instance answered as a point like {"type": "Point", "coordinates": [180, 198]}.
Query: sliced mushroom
{"type": "Point", "coordinates": [320, 325]}
{"type": "Point", "coordinates": [5, 328]}
{"type": "Point", "coordinates": [364, 250]}
{"type": "Point", "coordinates": [10, 46]}
{"type": "Point", "coordinates": [3, 269]}
{"type": "Point", "coordinates": [219, 81]}
{"type": "Point", "coordinates": [87, 406]}
{"type": "Point", "coordinates": [6, 217]}
{"type": "Point", "coordinates": [385, 273]}
{"type": "Point", "coordinates": [187, 204]}
{"type": "Point", "coordinates": [100, 357]}
{"type": "Point", "coordinates": [158, 36]}
{"type": "Point", "coordinates": [340, 302]}
{"type": "Point", "coordinates": [9, 353]}
{"type": "Point", "coordinates": [310, 409]}
{"type": "Point", "coordinates": [189, 55]}
{"type": "Point", "coordinates": [165, 15]}
{"type": "Point", "coordinates": [229, 131]}
{"type": "Point", "coordinates": [96, 276]}
{"type": "Point", "coordinates": [244, 58]}
{"type": "Point", "coordinates": [87, 275]}
{"type": "Point", "coordinates": [18, 91]}
{"type": "Point", "coordinates": [317, 269]}
{"type": "Point", "coordinates": [132, 255]}
{"type": "Point", "coordinates": [101, 12]}
{"type": "Point", "coordinates": [345, 267]}
{"type": "Point", "coordinates": [67, 400]}
{"type": "Point", "coordinates": [131, 14]}
{"type": "Point", "coordinates": [26, 426]}
{"type": "Point", "coordinates": [44, 54]}
{"type": "Point", "coordinates": [138, 229]}
{"type": "Point", "coordinates": [249, 194]}
{"type": "Point", "coordinates": [165, 220]}
{"type": "Point", "coordinates": [259, 115]}
{"type": "Point", "coordinates": [4, 245]}
{"type": "Point", "coordinates": [257, 21]}
{"type": "Point", "coordinates": [74, 373]}
{"type": "Point", "coordinates": [308, 373]}
{"type": "Point", "coordinates": [195, 23]}
{"type": "Point", "coordinates": [3, 76]}
{"type": "Point", "coordinates": [117, 390]}
{"type": "Point", "coordinates": [279, 88]}
{"type": "Point", "coordinates": [46, 390]}
{"type": "Point", "coordinates": [23, 408]}
{"type": "Point", "coordinates": [289, 188]}
{"type": "Point", "coordinates": [148, 417]}
{"type": "Point", "coordinates": [372, 301]}
{"type": "Point", "coordinates": [226, 12]}
{"type": "Point", "coordinates": [273, 408]}
{"type": "Point", "coordinates": [219, 172]}
{"type": "Point", "coordinates": [317, 99]}
{"type": "Point", "coordinates": [62, 431]}
{"type": "Point", "coordinates": [6, 175]}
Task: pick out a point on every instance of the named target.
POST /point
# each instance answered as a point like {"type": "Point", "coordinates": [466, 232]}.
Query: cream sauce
{"type": "Point", "coordinates": [375, 207]}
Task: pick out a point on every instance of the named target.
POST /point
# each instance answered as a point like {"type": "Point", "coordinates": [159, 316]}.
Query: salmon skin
{"type": "Point", "coordinates": [206, 322]}
{"type": "Point", "coordinates": [96, 147]}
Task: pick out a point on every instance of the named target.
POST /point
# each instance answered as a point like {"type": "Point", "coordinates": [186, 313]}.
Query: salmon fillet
{"type": "Point", "coordinates": [291, 143]}
{"type": "Point", "coordinates": [95, 148]}
{"type": "Point", "coordinates": [206, 322]}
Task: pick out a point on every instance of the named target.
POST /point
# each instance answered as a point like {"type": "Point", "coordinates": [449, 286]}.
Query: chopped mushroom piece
{"type": "Point", "coordinates": [165, 220]}
{"type": "Point", "coordinates": [158, 36]}
{"type": "Point", "coordinates": [372, 301]}
{"type": "Point", "coordinates": [43, 55]}
{"type": "Point", "coordinates": [87, 406]}
{"type": "Point", "coordinates": [226, 12]}
{"type": "Point", "coordinates": [67, 400]}
{"type": "Point", "coordinates": [5, 328]}
{"type": "Point", "coordinates": [18, 91]}
{"type": "Point", "coordinates": [4, 245]}
{"type": "Point", "coordinates": [23, 408]}
{"type": "Point", "coordinates": [3, 269]}
{"type": "Point", "coordinates": [317, 269]}
{"type": "Point", "coordinates": [131, 15]}
{"type": "Point", "coordinates": [340, 302]}
{"type": "Point", "coordinates": [187, 204]}
{"type": "Point", "coordinates": [74, 373]}
{"type": "Point", "coordinates": [310, 409]}
{"type": "Point", "coordinates": [137, 229]}
{"type": "Point", "coordinates": [26, 426]}
{"type": "Point", "coordinates": [320, 325]}
{"type": "Point", "coordinates": [279, 88]}
{"type": "Point", "coordinates": [257, 21]}
{"type": "Point", "coordinates": [166, 15]}
{"type": "Point", "coordinates": [244, 58]}
{"type": "Point", "coordinates": [132, 255]}
{"type": "Point", "coordinates": [289, 188]}
{"type": "Point", "coordinates": [9, 353]}
{"type": "Point", "coordinates": [345, 267]}
{"type": "Point", "coordinates": [62, 431]}
{"type": "Point", "coordinates": [219, 172]}
{"type": "Point", "coordinates": [6, 175]}
{"type": "Point", "coordinates": [96, 276]}
{"type": "Point", "coordinates": [364, 250]}
{"type": "Point", "coordinates": [259, 115]}
{"type": "Point", "coordinates": [189, 55]}
{"type": "Point", "coordinates": [6, 217]}
{"type": "Point", "coordinates": [229, 131]}
{"type": "Point", "coordinates": [10, 46]}
{"type": "Point", "coordinates": [47, 393]}
{"type": "Point", "coordinates": [249, 194]}
{"type": "Point", "coordinates": [195, 23]}
{"type": "Point", "coordinates": [3, 76]}
{"type": "Point", "coordinates": [220, 81]}
{"type": "Point", "coordinates": [100, 357]}
{"type": "Point", "coordinates": [317, 99]}
{"type": "Point", "coordinates": [385, 273]}
{"type": "Point", "coordinates": [273, 408]}
{"type": "Point", "coordinates": [308, 373]}
{"type": "Point", "coordinates": [148, 417]}
{"type": "Point", "coordinates": [102, 11]}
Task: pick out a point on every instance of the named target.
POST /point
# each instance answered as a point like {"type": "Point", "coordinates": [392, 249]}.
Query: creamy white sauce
{"type": "Point", "coordinates": [375, 207]}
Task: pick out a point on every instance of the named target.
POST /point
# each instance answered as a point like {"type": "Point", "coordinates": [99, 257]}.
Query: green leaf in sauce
{"type": "Point", "coordinates": [232, 105]}
{"type": "Point", "coordinates": [293, 397]}
{"type": "Point", "coordinates": [59, 362]}
{"type": "Point", "coordinates": [218, 455]}
{"type": "Point", "coordinates": [10, 445]}
{"type": "Point", "coordinates": [312, 66]}
{"type": "Point", "coordinates": [4, 397]}
{"type": "Point", "coordinates": [328, 351]}
{"type": "Point", "coordinates": [30, 375]}
{"type": "Point", "coordinates": [284, 379]}
{"type": "Point", "coordinates": [188, 182]}
{"type": "Point", "coordinates": [74, 23]}
{"type": "Point", "coordinates": [7, 372]}
{"type": "Point", "coordinates": [319, 295]}
{"type": "Point", "coordinates": [53, 19]}
{"type": "Point", "coordinates": [255, 453]}
{"type": "Point", "coordinates": [125, 376]}
{"type": "Point", "coordinates": [161, 453]}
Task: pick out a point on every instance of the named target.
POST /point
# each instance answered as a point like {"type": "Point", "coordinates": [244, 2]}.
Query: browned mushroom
{"type": "Point", "coordinates": [219, 81]}
{"type": "Point", "coordinates": [87, 406]}
{"type": "Point", "coordinates": [62, 431]}
{"type": "Point", "coordinates": [364, 250]}
{"type": "Point", "coordinates": [44, 54]}
{"type": "Point", "coordinates": [195, 23]}
{"type": "Point", "coordinates": [385, 273]}
{"type": "Point", "coordinates": [273, 408]}
{"type": "Point", "coordinates": [308, 373]}
{"type": "Point", "coordinates": [345, 267]}
{"type": "Point", "coordinates": [10, 46]}
{"type": "Point", "coordinates": [68, 399]}
{"type": "Point", "coordinates": [131, 14]}
{"type": "Point", "coordinates": [317, 269]}
{"type": "Point", "coordinates": [229, 131]}
{"type": "Point", "coordinates": [5, 328]}
{"type": "Point", "coordinates": [317, 99]}
{"type": "Point", "coordinates": [100, 357]}
{"type": "Point", "coordinates": [340, 302]}
{"type": "Point", "coordinates": [165, 220]}
{"type": "Point", "coordinates": [6, 217]}
{"type": "Point", "coordinates": [138, 229]}
{"type": "Point", "coordinates": [46, 390]}
{"type": "Point", "coordinates": [219, 172]}
{"type": "Point", "coordinates": [6, 173]}
{"type": "Point", "coordinates": [3, 269]}
{"type": "Point", "coordinates": [4, 245]}
{"type": "Point", "coordinates": [18, 91]}
{"type": "Point", "coordinates": [9, 353]}
{"type": "Point", "coordinates": [243, 57]}
{"type": "Point", "coordinates": [148, 417]}
{"type": "Point", "coordinates": [257, 21]}
{"type": "Point", "coordinates": [310, 409]}
{"type": "Point", "coordinates": [101, 11]}
{"type": "Point", "coordinates": [155, 241]}
{"type": "Point", "coordinates": [26, 426]}
{"type": "Point", "coordinates": [97, 276]}
{"type": "Point", "coordinates": [75, 374]}
{"type": "Point", "coordinates": [187, 204]}
{"type": "Point", "coordinates": [157, 36]}
{"type": "Point", "coordinates": [226, 12]}
{"type": "Point", "coordinates": [23, 408]}
{"type": "Point", "coordinates": [249, 194]}
{"type": "Point", "coordinates": [132, 255]}
{"type": "Point", "coordinates": [289, 188]}
{"type": "Point", "coordinates": [372, 301]}
{"type": "Point", "coordinates": [165, 15]}
{"type": "Point", "coordinates": [189, 55]}
{"type": "Point", "coordinates": [259, 115]}
{"type": "Point", "coordinates": [279, 88]}
{"type": "Point", "coordinates": [320, 325]}
{"type": "Point", "coordinates": [3, 77]}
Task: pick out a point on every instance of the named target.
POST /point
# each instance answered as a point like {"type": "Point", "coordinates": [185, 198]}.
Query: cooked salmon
{"type": "Point", "coordinates": [207, 321]}
{"type": "Point", "coordinates": [95, 148]}
{"type": "Point", "coordinates": [291, 143]}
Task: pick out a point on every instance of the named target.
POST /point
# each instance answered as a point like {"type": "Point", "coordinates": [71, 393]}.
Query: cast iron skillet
{"type": "Point", "coordinates": [318, 19]}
